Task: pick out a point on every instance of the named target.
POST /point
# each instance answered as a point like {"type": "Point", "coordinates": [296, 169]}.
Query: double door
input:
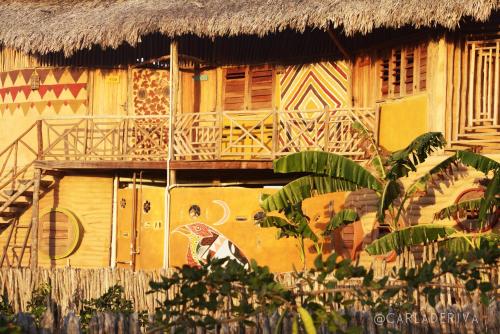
{"type": "Point", "coordinates": [140, 233]}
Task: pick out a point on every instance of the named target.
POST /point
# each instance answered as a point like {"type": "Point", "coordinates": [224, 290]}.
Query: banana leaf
{"type": "Point", "coordinates": [327, 164]}
{"type": "Point", "coordinates": [477, 161]}
{"type": "Point", "coordinates": [305, 187]}
{"type": "Point", "coordinates": [406, 160]}
{"type": "Point", "coordinates": [391, 192]}
{"type": "Point", "coordinates": [343, 217]}
{"type": "Point", "coordinates": [409, 236]}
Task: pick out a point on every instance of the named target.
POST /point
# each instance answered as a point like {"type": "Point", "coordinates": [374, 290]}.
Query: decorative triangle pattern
{"type": "Point", "coordinates": [59, 88]}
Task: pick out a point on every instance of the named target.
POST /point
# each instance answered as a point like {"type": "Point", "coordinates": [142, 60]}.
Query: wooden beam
{"type": "Point", "coordinates": [154, 165]}
{"type": "Point", "coordinates": [35, 218]}
{"type": "Point", "coordinates": [339, 45]}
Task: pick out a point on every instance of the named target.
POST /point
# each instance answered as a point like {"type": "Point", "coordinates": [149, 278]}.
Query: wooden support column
{"type": "Point", "coordinates": [35, 218]}
{"type": "Point", "coordinates": [174, 109]}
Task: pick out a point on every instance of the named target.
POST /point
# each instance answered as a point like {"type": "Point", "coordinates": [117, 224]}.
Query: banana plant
{"type": "Point", "coordinates": [329, 172]}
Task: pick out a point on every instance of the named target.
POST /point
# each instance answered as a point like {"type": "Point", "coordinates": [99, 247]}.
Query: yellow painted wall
{"type": "Point", "coordinates": [90, 199]}
{"type": "Point", "coordinates": [230, 212]}
{"type": "Point", "coordinates": [402, 120]}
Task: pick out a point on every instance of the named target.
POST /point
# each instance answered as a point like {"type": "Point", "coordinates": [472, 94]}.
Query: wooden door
{"type": "Point", "coordinates": [150, 228]}
{"type": "Point", "coordinates": [124, 223]}
{"type": "Point", "coordinates": [108, 92]}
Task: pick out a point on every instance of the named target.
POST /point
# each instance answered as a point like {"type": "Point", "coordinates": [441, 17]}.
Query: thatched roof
{"type": "Point", "coordinates": [44, 26]}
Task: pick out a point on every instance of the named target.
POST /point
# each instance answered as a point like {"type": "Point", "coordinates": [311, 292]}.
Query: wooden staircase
{"type": "Point", "coordinates": [17, 188]}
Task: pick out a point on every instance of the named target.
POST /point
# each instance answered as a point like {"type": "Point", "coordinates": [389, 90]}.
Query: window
{"type": "Point", "coordinates": [403, 72]}
{"type": "Point", "coordinates": [248, 88]}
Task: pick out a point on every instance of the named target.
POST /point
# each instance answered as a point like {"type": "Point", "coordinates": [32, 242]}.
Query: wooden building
{"type": "Point", "coordinates": [133, 133]}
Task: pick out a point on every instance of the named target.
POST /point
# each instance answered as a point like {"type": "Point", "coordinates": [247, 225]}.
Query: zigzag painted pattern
{"type": "Point", "coordinates": [58, 87]}
{"type": "Point", "coordinates": [305, 91]}
{"type": "Point", "coordinates": [314, 86]}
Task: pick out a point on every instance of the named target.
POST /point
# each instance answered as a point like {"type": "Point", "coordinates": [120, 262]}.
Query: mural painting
{"type": "Point", "coordinates": [221, 222]}
{"type": "Point", "coordinates": [43, 90]}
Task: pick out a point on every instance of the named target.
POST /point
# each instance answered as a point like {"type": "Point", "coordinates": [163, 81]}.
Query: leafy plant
{"type": "Point", "coordinates": [222, 291]}
{"type": "Point", "coordinates": [40, 300]}
{"type": "Point", "coordinates": [329, 172]}
{"type": "Point", "coordinates": [113, 301]}
{"type": "Point", "coordinates": [7, 321]}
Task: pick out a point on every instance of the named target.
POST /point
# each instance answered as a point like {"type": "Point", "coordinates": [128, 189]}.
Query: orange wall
{"type": "Point", "coordinates": [230, 213]}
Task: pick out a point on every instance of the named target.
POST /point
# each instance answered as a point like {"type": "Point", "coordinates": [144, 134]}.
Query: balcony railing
{"type": "Point", "coordinates": [268, 134]}
{"type": "Point", "coordinates": [227, 135]}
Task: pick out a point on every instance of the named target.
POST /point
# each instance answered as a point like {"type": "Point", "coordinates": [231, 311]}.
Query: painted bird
{"type": "Point", "coordinates": [205, 241]}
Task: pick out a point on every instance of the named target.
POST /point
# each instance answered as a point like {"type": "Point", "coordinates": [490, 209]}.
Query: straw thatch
{"type": "Point", "coordinates": [67, 25]}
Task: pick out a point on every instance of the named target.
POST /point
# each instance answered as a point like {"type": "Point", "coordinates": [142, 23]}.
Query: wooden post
{"type": "Point", "coordinates": [39, 135]}
{"type": "Point", "coordinates": [35, 218]}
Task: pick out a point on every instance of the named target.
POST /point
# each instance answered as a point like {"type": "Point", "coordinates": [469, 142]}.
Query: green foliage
{"type": "Point", "coordinates": [220, 291]}
{"type": "Point", "coordinates": [7, 319]}
{"type": "Point", "coordinates": [327, 164]}
{"type": "Point", "coordinates": [331, 173]}
{"type": "Point", "coordinates": [404, 161]}
{"type": "Point", "coordinates": [40, 300]}
{"type": "Point", "coordinates": [390, 193]}
{"type": "Point", "coordinates": [194, 295]}
{"type": "Point", "coordinates": [305, 187]}
{"type": "Point", "coordinates": [343, 217]}
{"type": "Point", "coordinates": [113, 301]}
{"type": "Point", "coordinates": [454, 210]}
{"type": "Point", "coordinates": [409, 236]}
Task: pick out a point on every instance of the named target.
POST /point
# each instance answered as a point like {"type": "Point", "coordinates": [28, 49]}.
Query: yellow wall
{"type": "Point", "coordinates": [402, 120]}
{"type": "Point", "coordinates": [230, 212]}
{"type": "Point", "coordinates": [90, 199]}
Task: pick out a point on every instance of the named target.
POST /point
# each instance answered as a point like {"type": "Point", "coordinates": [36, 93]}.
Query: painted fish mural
{"type": "Point", "coordinates": [205, 241]}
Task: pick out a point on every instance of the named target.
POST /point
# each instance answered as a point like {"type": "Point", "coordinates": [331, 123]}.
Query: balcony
{"type": "Point", "coordinates": [226, 135]}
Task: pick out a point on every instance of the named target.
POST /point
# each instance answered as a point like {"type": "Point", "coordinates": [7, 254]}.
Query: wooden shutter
{"type": "Point", "coordinates": [384, 77]}
{"type": "Point", "coordinates": [409, 68]}
{"type": "Point", "coordinates": [58, 234]}
{"type": "Point", "coordinates": [422, 53]}
{"type": "Point", "coordinates": [261, 87]}
{"type": "Point", "coordinates": [234, 88]}
{"type": "Point", "coordinates": [396, 72]}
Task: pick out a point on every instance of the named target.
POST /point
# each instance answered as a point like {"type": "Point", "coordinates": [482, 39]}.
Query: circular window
{"type": "Point", "coordinates": [59, 233]}
{"type": "Point", "coordinates": [468, 219]}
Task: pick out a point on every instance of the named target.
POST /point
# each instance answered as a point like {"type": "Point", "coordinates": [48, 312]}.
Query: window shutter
{"type": "Point", "coordinates": [384, 77]}
{"type": "Point", "coordinates": [423, 67]}
{"type": "Point", "coordinates": [234, 89]}
{"type": "Point", "coordinates": [396, 71]}
{"type": "Point", "coordinates": [261, 87]}
{"type": "Point", "coordinates": [409, 68]}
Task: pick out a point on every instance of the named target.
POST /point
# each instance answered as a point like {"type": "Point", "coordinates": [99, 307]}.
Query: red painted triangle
{"type": "Point", "coordinates": [75, 88]}
{"type": "Point", "coordinates": [76, 73]}
{"type": "Point", "coordinates": [3, 75]}
{"type": "Point", "coordinates": [58, 89]}
{"type": "Point", "coordinates": [13, 75]}
{"type": "Point", "coordinates": [26, 90]}
{"type": "Point", "coordinates": [43, 90]}
{"type": "Point", "coordinates": [27, 75]}
{"type": "Point", "coordinates": [58, 72]}
{"type": "Point", "coordinates": [43, 75]}
{"type": "Point", "coordinates": [3, 91]}
{"type": "Point", "coordinates": [13, 92]}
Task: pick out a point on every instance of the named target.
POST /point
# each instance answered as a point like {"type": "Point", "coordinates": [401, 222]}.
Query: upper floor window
{"type": "Point", "coordinates": [403, 72]}
{"type": "Point", "coordinates": [248, 87]}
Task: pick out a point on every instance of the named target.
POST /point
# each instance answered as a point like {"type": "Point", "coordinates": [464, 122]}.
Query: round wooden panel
{"type": "Point", "coordinates": [59, 233]}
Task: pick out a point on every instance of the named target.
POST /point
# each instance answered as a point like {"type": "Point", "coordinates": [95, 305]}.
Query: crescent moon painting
{"type": "Point", "coordinates": [226, 213]}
